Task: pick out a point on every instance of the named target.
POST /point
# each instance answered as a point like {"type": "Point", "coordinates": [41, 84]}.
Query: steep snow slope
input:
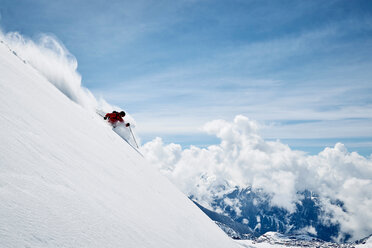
{"type": "Point", "coordinates": [67, 180]}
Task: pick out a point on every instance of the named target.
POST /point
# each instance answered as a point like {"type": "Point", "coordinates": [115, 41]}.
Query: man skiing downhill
{"type": "Point", "coordinates": [116, 117]}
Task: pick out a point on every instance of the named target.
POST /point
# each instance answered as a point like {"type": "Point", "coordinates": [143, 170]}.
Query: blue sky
{"type": "Point", "coordinates": [303, 69]}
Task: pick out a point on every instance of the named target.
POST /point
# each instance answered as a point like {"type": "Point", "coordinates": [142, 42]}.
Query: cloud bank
{"type": "Point", "coordinates": [244, 158]}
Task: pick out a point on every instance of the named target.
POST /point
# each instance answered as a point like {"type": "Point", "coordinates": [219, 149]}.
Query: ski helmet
{"type": "Point", "coordinates": [122, 113]}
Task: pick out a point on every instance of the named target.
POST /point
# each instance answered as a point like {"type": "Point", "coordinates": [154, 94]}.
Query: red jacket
{"type": "Point", "coordinates": [114, 117]}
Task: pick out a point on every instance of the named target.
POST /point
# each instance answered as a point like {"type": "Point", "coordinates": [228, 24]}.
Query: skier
{"type": "Point", "coordinates": [115, 117]}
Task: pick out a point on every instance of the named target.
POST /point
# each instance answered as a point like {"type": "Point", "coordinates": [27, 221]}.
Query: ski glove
{"type": "Point", "coordinates": [127, 125]}
{"type": "Point", "coordinates": [105, 117]}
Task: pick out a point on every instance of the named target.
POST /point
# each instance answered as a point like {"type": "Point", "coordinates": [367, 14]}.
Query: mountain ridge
{"type": "Point", "coordinates": [257, 217]}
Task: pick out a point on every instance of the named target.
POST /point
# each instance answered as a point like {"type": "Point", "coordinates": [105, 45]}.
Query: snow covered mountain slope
{"type": "Point", "coordinates": [67, 180]}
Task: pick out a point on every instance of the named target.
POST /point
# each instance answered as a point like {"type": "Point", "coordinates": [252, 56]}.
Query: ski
{"type": "Point", "coordinates": [131, 145]}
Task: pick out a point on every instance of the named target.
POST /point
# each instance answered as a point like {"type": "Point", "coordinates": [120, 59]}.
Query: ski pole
{"type": "Point", "coordinates": [133, 136]}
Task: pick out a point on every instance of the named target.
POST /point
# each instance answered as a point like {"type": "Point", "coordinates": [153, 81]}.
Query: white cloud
{"type": "Point", "coordinates": [308, 230]}
{"type": "Point", "coordinates": [244, 158]}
